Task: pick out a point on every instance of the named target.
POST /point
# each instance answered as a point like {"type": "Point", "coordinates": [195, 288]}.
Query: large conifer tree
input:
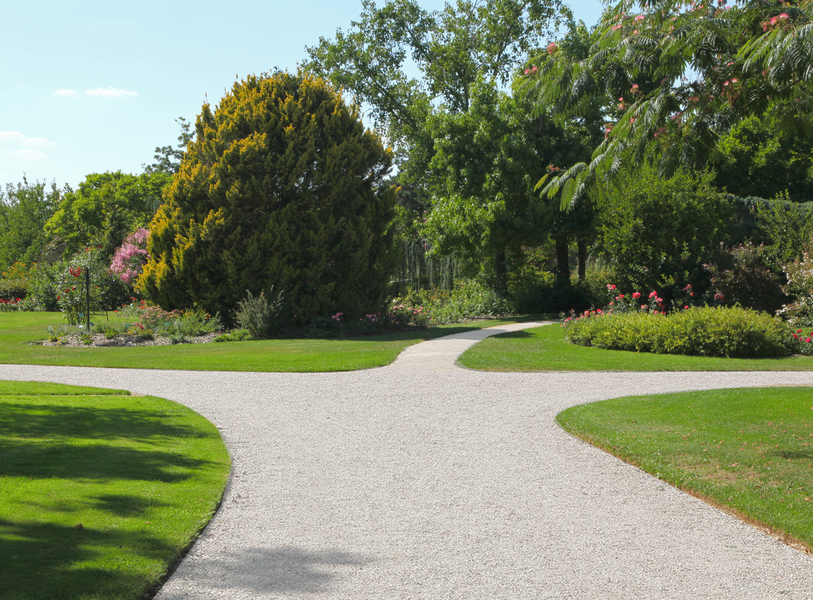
{"type": "Point", "coordinates": [282, 186]}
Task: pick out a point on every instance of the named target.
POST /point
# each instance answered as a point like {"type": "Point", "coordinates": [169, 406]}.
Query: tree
{"type": "Point", "coordinates": [282, 187]}
{"type": "Point", "coordinates": [451, 48]}
{"type": "Point", "coordinates": [482, 176]}
{"type": "Point", "coordinates": [24, 211]}
{"type": "Point", "coordinates": [760, 158]}
{"type": "Point", "coordinates": [682, 75]}
{"type": "Point", "coordinates": [104, 209]}
{"type": "Point", "coordinates": [167, 158]}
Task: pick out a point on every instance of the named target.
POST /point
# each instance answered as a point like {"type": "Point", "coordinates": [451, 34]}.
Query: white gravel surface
{"type": "Point", "coordinates": [426, 481]}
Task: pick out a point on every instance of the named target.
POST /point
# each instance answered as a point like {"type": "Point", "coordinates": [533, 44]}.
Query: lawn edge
{"type": "Point", "coordinates": [774, 532]}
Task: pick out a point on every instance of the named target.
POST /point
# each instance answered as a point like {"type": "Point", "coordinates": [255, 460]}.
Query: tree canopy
{"type": "Point", "coordinates": [451, 48]}
{"type": "Point", "coordinates": [281, 187]}
{"type": "Point", "coordinates": [24, 211]}
{"type": "Point", "coordinates": [674, 77]}
{"type": "Point", "coordinates": [104, 209]}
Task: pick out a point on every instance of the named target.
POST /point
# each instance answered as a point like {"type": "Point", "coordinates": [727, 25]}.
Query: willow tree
{"type": "Point", "coordinates": [282, 186]}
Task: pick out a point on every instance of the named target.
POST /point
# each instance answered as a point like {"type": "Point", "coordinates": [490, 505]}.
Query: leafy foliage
{"type": "Point", "coordinates": [105, 208]}
{"type": "Point", "coordinates": [24, 211]}
{"type": "Point", "coordinates": [679, 75]}
{"type": "Point", "coordinates": [282, 186]}
{"type": "Point", "coordinates": [259, 317]}
{"type": "Point", "coordinates": [759, 157]}
{"type": "Point", "coordinates": [452, 48]}
{"type": "Point", "coordinates": [742, 275]}
{"type": "Point", "coordinates": [703, 331]}
{"type": "Point", "coordinates": [658, 233]}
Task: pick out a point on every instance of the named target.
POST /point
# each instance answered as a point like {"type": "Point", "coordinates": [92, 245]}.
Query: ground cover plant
{"type": "Point", "coordinates": [18, 329]}
{"type": "Point", "coordinates": [100, 491]}
{"type": "Point", "coordinates": [546, 349]}
{"type": "Point", "coordinates": [748, 450]}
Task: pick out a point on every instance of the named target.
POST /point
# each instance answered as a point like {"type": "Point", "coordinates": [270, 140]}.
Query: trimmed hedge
{"type": "Point", "coordinates": [700, 331]}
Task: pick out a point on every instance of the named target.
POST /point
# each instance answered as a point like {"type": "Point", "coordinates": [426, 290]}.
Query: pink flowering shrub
{"type": "Point", "coordinates": [130, 258]}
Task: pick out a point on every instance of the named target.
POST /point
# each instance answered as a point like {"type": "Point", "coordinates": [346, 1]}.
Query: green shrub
{"type": "Point", "coordinates": [469, 299]}
{"type": "Point", "coordinates": [260, 317]}
{"type": "Point", "coordinates": [701, 331]}
{"type": "Point", "coordinates": [744, 276]}
{"type": "Point", "coordinates": [235, 335]}
{"type": "Point", "coordinates": [658, 232]}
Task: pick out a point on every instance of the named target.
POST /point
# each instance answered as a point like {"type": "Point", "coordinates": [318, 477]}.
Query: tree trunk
{"type": "Point", "coordinates": [562, 262]}
{"type": "Point", "coordinates": [500, 283]}
{"type": "Point", "coordinates": [582, 258]}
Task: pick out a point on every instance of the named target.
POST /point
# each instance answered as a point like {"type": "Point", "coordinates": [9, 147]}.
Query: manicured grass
{"type": "Point", "coordinates": [291, 355]}
{"type": "Point", "coordinates": [545, 349]}
{"type": "Point", "coordinates": [749, 450]}
{"type": "Point", "coordinates": [100, 491]}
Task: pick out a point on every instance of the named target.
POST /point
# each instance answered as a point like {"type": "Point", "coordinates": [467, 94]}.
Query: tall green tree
{"type": "Point", "coordinates": [682, 75]}
{"type": "Point", "coordinates": [24, 211]}
{"type": "Point", "coordinates": [281, 187]}
{"type": "Point", "coordinates": [482, 176]}
{"type": "Point", "coordinates": [104, 209]}
{"type": "Point", "coordinates": [451, 49]}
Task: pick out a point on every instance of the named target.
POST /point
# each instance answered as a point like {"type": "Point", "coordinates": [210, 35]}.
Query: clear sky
{"type": "Point", "coordinates": [92, 86]}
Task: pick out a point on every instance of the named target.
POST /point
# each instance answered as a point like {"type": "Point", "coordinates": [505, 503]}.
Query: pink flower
{"type": "Point", "coordinates": [653, 294]}
{"type": "Point", "coordinates": [636, 295]}
{"type": "Point", "coordinates": [552, 47]}
{"type": "Point", "coordinates": [686, 307]}
{"type": "Point", "coordinates": [783, 16]}
{"type": "Point", "coordinates": [643, 307]}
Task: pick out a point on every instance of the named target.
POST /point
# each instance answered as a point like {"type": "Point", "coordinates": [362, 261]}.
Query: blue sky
{"type": "Point", "coordinates": [88, 87]}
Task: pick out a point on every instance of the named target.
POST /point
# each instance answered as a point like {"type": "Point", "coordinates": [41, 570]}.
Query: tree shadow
{"type": "Point", "coordinates": [44, 459]}
{"type": "Point", "coordinates": [47, 560]}
{"type": "Point", "coordinates": [21, 419]}
{"type": "Point", "coordinates": [280, 569]}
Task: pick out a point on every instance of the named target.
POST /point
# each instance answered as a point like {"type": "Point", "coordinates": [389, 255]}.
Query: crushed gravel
{"type": "Point", "coordinates": [422, 480]}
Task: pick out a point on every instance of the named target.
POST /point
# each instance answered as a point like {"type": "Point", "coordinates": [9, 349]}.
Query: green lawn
{"type": "Point", "coordinates": [750, 450]}
{"type": "Point", "coordinates": [17, 329]}
{"type": "Point", "coordinates": [100, 491]}
{"type": "Point", "coordinates": [545, 349]}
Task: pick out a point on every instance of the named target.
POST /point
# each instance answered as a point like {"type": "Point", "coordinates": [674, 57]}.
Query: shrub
{"type": "Point", "coordinates": [799, 275]}
{"type": "Point", "coordinates": [658, 232]}
{"type": "Point", "coordinates": [282, 186]}
{"type": "Point", "coordinates": [704, 331]}
{"type": "Point", "coordinates": [258, 316]}
{"type": "Point", "coordinates": [235, 335]}
{"type": "Point", "coordinates": [743, 276]}
{"type": "Point", "coordinates": [469, 299]}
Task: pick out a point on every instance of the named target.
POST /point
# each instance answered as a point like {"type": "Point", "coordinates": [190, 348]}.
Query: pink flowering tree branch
{"type": "Point", "coordinates": [130, 258]}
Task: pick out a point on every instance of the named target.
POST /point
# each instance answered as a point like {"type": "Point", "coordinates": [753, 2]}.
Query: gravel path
{"type": "Point", "coordinates": [426, 481]}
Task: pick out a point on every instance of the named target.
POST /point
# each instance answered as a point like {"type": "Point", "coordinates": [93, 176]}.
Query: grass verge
{"type": "Point", "coordinates": [17, 329]}
{"type": "Point", "coordinates": [545, 349]}
{"type": "Point", "coordinates": [100, 491]}
{"type": "Point", "coordinates": [748, 451]}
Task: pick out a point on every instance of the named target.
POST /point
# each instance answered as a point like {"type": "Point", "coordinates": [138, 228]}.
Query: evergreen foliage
{"type": "Point", "coordinates": [281, 187]}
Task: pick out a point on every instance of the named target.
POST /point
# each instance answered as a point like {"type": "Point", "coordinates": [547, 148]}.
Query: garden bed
{"type": "Point", "coordinates": [99, 340]}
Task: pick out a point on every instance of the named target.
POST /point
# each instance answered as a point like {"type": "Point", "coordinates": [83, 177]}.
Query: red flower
{"type": "Point", "coordinates": [636, 295]}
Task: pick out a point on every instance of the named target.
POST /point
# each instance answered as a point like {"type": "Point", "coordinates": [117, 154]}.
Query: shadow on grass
{"type": "Point", "coordinates": [101, 462]}
{"type": "Point", "coordinates": [51, 555]}
{"type": "Point", "coordinates": [18, 419]}
{"type": "Point", "coordinates": [277, 570]}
